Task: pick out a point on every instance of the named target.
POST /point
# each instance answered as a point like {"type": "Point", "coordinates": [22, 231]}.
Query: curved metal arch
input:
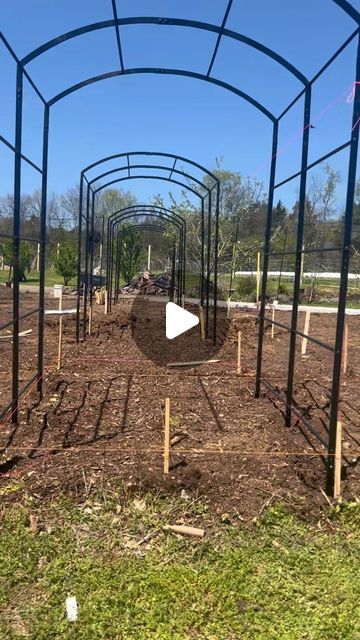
{"type": "Point", "coordinates": [177, 22]}
{"type": "Point", "coordinates": [182, 184]}
{"type": "Point", "coordinates": [163, 71]}
{"type": "Point", "coordinates": [149, 166]}
{"type": "Point", "coordinates": [158, 208]}
{"type": "Point", "coordinates": [160, 154]}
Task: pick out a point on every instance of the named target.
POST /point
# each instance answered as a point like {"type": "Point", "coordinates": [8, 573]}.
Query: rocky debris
{"type": "Point", "coordinates": [147, 283]}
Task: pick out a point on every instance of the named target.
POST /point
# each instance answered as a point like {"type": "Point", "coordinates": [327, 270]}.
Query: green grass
{"type": "Point", "coordinates": [32, 278]}
{"type": "Point", "coordinates": [280, 580]}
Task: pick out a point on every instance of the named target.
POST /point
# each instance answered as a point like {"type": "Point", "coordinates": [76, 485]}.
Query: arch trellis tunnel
{"type": "Point", "coordinates": [89, 190]}
{"type": "Point", "coordinates": [208, 196]}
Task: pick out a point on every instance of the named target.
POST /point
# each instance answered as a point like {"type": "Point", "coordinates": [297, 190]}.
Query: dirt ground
{"type": "Point", "coordinates": [102, 415]}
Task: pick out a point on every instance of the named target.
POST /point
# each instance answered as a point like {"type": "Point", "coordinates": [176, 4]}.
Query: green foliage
{"type": "Point", "coordinates": [131, 254]}
{"type": "Point", "coordinates": [245, 288]}
{"type": "Point", "coordinates": [26, 256]}
{"type": "Point", "coordinates": [280, 580]}
{"type": "Point", "coordinates": [65, 261]}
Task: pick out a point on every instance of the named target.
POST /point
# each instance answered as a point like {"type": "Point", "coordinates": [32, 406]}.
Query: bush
{"type": "Point", "coordinates": [246, 289]}
{"type": "Point", "coordinates": [65, 262]}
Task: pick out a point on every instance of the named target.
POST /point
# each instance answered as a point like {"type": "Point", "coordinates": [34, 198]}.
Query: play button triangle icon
{"type": "Point", "coordinates": [178, 320]}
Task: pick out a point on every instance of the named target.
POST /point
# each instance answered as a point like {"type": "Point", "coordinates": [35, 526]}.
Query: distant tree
{"type": "Point", "coordinates": [131, 254]}
{"type": "Point", "coordinates": [26, 256]}
{"type": "Point", "coordinates": [65, 261]}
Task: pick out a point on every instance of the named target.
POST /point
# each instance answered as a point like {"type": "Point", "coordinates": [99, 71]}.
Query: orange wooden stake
{"type": "Point", "coordinates": [167, 436]}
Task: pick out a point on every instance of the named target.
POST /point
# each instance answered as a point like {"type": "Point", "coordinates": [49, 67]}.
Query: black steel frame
{"type": "Point", "coordinates": [115, 24]}
{"type": "Point", "coordinates": [209, 236]}
{"type": "Point", "coordinates": [161, 213]}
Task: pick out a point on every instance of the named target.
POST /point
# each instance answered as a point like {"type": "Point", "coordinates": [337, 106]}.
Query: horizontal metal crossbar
{"type": "Point", "coordinates": [281, 396]}
{"type": "Point", "coordinates": [24, 238]}
{"type": "Point", "coordinates": [26, 315]}
{"type": "Point", "coordinates": [21, 393]}
{"type": "Point", "coordinates": [300, 333]}
{"type": "Point", "coordinates": [314, 164]}
{"type": "Point", "coordinates": [294, 252]}
{"type": "Point", "coordinates": [23, 157]}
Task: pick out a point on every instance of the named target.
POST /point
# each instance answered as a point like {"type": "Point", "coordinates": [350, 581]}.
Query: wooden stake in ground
{"type": "Point", "coordinates": [345, 348]}
{"type": "Point", "coordinates": [337, 470]}
{"type": "Point", "coordinates": [272, 323]}
{"type": "Point", "coordinates": [228, 309]}
{"type": "Point", "coordinates": [258, 277]}
{"type": "Point", "coordinates": [90, 319]}
{"type": "Point", "coordinates": [60, 334]}
{"type": "Point", "coordinates": [306, 332]}
{"type": "Point", "coordinates": [202, 322]}
{"type": "Point", "coordinates": [106, 303]}
{"type": "Point", "coordinates": [167, 436]}
{"type": "Point", "coordinates": [239, 353]}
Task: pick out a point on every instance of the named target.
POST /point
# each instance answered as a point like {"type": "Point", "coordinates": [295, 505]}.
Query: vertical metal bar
{"type": "Point", "coordinates": [173, 273]}
{"type": "Point", "coordinates": [178, 274]}
{"type": "Point", "coordinates": [117, 271]}
{"type": "Point", "coordinates": [111, 264]}
{"type": "Point", "coordinates": [202, 252]}
{"type": "Point", "coordinates": [184, 261]}
{"type": "Point", "coordinates": [216, 242]}
{"type": "Point", "coordinates": [43, 249]}
{"type": "Point", "coordinates": [92, 249]}
{"type": "Point", "coordinates": [86, 283]}
{"type": "Point", "coordinates": [102, 248]}
{"type": "Point", "coordinates": [79, 258]}
{"type": "Point", "coordinates": [108, 264]}
{"type": "Point", "coordinates": [266, 258]}
{"type": "Point", "coordinates": [16, 241]}
{"type": "Point", "coordinates": [299, 248]}
{"type": "Point", "coordinates": [335, 391]}
{"type": "Point", "coordinates": [208, 258]}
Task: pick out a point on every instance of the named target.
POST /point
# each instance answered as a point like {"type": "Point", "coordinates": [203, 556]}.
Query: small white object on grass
{"type": "Point", "coordinates": [71, 608]}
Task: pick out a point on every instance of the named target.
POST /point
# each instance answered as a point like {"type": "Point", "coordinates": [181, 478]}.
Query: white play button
{"type": "Point", "coordinates": [178, 320]}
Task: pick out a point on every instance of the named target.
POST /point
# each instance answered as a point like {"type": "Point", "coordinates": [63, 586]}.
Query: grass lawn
{"type": "Point", "coordinates": [279, 580]}
{"type": "Point", "coordinates": [32, 278]}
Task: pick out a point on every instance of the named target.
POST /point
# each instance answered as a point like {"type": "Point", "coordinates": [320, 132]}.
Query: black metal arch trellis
{"type": "Point", "coordinates": [121, 233]}
{"type": "Point", "coordinates": [198, 187]}
{"type": "Point", "coordinates": [222, 32]}
{"type": "Point", "coordinates": [161, 214]}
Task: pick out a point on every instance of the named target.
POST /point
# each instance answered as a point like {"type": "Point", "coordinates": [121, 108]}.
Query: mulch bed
{"type": "Point", "coordinates": [102, 418]}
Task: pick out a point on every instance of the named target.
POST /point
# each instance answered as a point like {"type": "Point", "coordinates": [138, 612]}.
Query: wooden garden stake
{"type": "Point", "coordinates": [337, 470]}
{"type": "Point", "coordinates": [90, 319]}
{"type": "Point", "coordinates": [60, 334]}
{"type": "Point", "coordinates": [272, 323]}
{"type": "Point", "coordinates": [306, 332]}
{"type": "Point", "coordinates": [345, 348]}
{"type": "Point", "coordinates": [228, 309]}
{"type": "Point", "coordinates": [106, 303]}
{"type": "Point", "coordinates": [239, 354]}
{"type": "Point", "coordinates": [202, 322]}
{"type": "Point", "coordinates": [167, 436]}
{"type": "Point", "coordinates": [258, 277]}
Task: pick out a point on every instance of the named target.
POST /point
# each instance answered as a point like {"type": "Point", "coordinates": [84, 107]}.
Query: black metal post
{"type": "Point", "coordinates": [91, 247]}
{"type": "Point", "coordinates": [216, 251]}
{"type": "Point", "coordinates": [173, 273]}
{"type": "Point", "coordinates": [43, 250]}
{"type": "Point", "coordinates": [16, 241]}
{"type": "Point", "coordinates": [86, 283]}
{"type": "Point", "coordinates": [266, 258]}
{"type": "Point", "coordinates": [208, 265]}
{"type": "Point", "coordinates": [79, 259]}
{"type": "Point", "coordinates": [335, 392]}
{"type": "Point", "coordinates": [299, 250]}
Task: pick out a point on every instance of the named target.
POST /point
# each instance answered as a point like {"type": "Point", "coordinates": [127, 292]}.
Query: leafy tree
{"type": "Point", "coordinates": [26, 256]}
{"type": "Point", "coordinates": [131, 254]}
{"type": "Point", "coordinates": [65, 261]}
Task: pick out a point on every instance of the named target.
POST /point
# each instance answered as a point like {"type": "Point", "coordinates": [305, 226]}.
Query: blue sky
{"type": "Point", "coordinates": [170, 113]}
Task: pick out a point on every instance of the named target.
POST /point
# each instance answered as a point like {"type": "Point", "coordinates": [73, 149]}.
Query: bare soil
{"type": "Point", "coordinates": [101, 417]}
